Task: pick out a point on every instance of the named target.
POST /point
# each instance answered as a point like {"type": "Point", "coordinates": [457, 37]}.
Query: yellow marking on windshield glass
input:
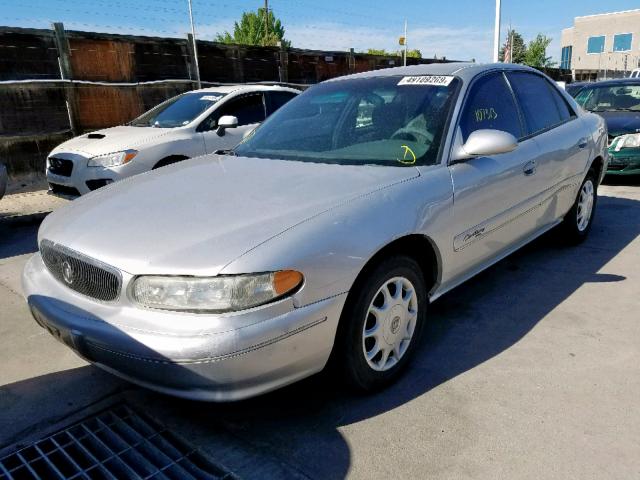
{"type": "Point", "coordinates": [483, 114]}
{"type": "Point", "coordinates": [404, 160]}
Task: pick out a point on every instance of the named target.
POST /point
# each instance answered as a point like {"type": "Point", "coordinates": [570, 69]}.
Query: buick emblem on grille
{"type": "Point", "coordinates": [67, 272]}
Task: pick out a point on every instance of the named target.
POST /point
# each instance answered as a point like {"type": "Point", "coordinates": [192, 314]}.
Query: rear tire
{"type": "Point", "coordinates": [381, 324]}
{"type": "Point", "coordinates": [578, 221]}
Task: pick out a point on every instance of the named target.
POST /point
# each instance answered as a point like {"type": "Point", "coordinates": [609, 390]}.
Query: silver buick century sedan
{"type": "Point", "coordinates": [322, 238]}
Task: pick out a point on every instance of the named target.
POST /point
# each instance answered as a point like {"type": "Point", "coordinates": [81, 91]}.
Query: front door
{"type": "Point", "coordinates": [249, 109]}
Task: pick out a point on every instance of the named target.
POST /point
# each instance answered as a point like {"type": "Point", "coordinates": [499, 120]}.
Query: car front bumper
{"type": "Point", "coordinates": [242, 354]}
{"type": "Point", "coordinates": [84, 179]}
{"type": "Point", "coordinates": [624, 162]}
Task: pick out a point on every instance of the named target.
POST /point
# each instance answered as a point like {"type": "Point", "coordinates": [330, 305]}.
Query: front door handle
{"type": "Point", "coordinates": [530, 168]}
{"type": "Point", "coordinates": [582, 142]}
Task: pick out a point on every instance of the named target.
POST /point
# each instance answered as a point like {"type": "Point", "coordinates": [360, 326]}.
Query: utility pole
{"type": "Point", "coordinates": [405, 42]}
{"type": "Point", "coordinates": [195, 48]}
{"type": "Point", "coordinates": [266, 21]}
{"type": "Point", "coordinates": [496, 34]}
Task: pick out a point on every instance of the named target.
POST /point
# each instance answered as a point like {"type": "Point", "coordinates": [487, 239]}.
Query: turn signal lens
{"type": "Point", "coordinates": [129, 155]}
{"type": "Point", "coordinates": [286, 280]}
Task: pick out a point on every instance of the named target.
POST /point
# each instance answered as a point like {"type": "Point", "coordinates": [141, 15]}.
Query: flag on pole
{"type": "Point", "coordinates": [507, 49]}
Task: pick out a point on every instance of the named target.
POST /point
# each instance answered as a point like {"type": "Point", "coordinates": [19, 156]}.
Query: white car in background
{"type": "Point", "coordinates": [188, 125]}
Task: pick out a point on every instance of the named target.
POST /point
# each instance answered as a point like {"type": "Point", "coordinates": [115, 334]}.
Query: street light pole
{"type": "Point", "coordinates": [195, 48]}
{"type": "Point", "coordinates": [405, 42]}
{"type": "Point", "coordinates": [496, 34]}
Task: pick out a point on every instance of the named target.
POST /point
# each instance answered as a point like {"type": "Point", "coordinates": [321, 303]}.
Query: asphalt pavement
{"type": "Point", "coordinates": [529, 370]}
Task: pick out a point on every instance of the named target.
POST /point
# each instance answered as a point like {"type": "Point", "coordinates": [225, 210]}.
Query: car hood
{"type": "Point", "coordinates": [619, 123]}
{"type": "Point", "coordinates": [111, 140]}
{"type": "Point", "coordinates": [197, 216]}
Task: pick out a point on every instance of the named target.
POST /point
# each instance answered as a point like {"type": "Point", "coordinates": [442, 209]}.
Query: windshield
{"type": "Point", "coordinates": [177, 111]}
{"type": "Point", "coordinates": [609, 98]}
{"type": "Point", "coordinates": [396, 121]}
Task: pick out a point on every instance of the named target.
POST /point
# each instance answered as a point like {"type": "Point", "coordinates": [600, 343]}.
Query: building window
{"type": "Point", "coordinates": [565, 59]}
{"type": "Point", "coordinates": [595, 44]}
{"type": "Point", "coordinates": [622, 42]}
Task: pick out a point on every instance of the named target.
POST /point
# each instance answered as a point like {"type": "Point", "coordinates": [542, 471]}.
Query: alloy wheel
{"type": "Point", "coordinates": [390, 324]}
{"type": "Point", "coordinates": [585, 205]}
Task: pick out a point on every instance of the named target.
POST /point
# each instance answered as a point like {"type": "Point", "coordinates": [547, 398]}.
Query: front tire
{"type": "Point", "coordinates": [578, 221]}
{"type": "Point", "coordinates": [382, 323]}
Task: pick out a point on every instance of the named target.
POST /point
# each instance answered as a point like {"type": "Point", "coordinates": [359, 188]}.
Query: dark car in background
{"type": "Point", "coordinates": [618, 102]}
{"type": "Point", "coordinates": [574, 88]}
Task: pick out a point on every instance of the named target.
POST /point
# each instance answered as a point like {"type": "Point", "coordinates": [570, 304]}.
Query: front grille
{"type": "Point", "coordinates": [80, 273]}
{"type": "Point", "coordinates": [60, 166]}
{"type": "Point", "coordinates": [118, 443]}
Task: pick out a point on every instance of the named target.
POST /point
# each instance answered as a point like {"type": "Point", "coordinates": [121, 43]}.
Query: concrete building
{"type": "Point", "coordinates": [602, 46]}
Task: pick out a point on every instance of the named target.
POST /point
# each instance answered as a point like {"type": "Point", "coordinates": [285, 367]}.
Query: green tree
{"type": "Point", "coordinates": [536, 55]}
{"type": "Point", "coordinates": [519, 49]}
{"type": "Point", "coordinates": [251, 30]}
{"type": "Point", "coordinates": [376, 51]}
{"type": "Point", "coordinates": [415, 53]}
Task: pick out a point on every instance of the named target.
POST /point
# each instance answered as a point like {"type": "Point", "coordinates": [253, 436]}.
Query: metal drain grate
{"type": "Point", "coordinates": [116, 444]}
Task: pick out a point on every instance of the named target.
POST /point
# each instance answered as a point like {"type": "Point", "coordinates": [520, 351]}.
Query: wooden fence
{"type": "Point", "coordinates": [57, 83]}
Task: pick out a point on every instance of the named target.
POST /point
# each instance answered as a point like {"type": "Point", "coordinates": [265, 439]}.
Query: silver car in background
{"type": "Point", "coordinates": [323, 237]}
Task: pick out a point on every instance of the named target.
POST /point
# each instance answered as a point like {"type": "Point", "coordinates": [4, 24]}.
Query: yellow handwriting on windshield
{"type": "Point", "coordinates": [407, 152]}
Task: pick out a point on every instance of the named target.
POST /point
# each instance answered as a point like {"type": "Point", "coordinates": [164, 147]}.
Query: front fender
{"type": "Point", "coordinates": [332, 248]}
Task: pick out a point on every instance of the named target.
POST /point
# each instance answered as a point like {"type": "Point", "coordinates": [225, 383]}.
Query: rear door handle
{"type": "Point", "coordinates": [530, 168]}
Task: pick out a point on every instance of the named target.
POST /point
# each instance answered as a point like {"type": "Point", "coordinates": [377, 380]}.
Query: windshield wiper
{"type": "Point", "coordinates": [614, 110]}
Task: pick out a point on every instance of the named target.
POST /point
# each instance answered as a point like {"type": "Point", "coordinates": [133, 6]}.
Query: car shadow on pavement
{"type": "Point", "coordinates": [18, 238]}
{"type": "Point", "coordinates": [300, 425]}
{"type": "Point", "coordinates": [622, 180]}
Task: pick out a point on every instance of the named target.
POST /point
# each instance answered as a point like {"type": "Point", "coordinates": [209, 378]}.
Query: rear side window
{"type": "Point", "coordinates": [277, 99]}
{"type": "Point", "coordinates": [541, 109]}
{"type": "Point", "coordinates": [490, 105]}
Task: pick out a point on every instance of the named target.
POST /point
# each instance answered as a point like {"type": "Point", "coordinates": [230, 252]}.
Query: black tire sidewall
{"type": "Point", "coordinates": [357, 371]}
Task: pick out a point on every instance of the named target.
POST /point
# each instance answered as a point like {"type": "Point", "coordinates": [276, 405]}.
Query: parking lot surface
{"type": "Point", "coordinates": [529, 370]}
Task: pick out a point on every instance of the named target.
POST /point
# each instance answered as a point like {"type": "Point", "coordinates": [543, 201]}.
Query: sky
{"type": "Point", "coordinates": [457, 29]}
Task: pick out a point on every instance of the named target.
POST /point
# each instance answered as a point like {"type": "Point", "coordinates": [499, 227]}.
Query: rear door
{"type": "Point", "coordinates": [561, 137]}
{"type": "Point", "coordinates": [493, 195]}
{"type": "Point", "coordinates": [249, 109]}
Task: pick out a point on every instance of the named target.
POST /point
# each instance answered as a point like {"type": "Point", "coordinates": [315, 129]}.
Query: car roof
{"type": "Point", "coordinates": [226, 89]}
{"type": "Point", "coordinates": [465, 70]}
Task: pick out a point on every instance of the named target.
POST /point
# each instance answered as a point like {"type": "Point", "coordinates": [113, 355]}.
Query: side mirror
{"type": "Point", "coordinates": [226, 121]}
{"type": "Point", "coordinates": [485, 142]}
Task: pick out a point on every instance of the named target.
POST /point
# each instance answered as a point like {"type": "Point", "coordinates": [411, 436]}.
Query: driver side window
{"type": "Point", "coordinates": [248, 109]}
{"type": "Point", "coordinates": [490, 105]}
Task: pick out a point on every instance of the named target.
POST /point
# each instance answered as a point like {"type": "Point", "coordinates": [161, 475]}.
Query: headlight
{"type": "Point", "coordinates": [631, 140]}
{"type": "Point", "coordinates": [112, 159]}
{"type": "Point", "coordinates": [213, 294]}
